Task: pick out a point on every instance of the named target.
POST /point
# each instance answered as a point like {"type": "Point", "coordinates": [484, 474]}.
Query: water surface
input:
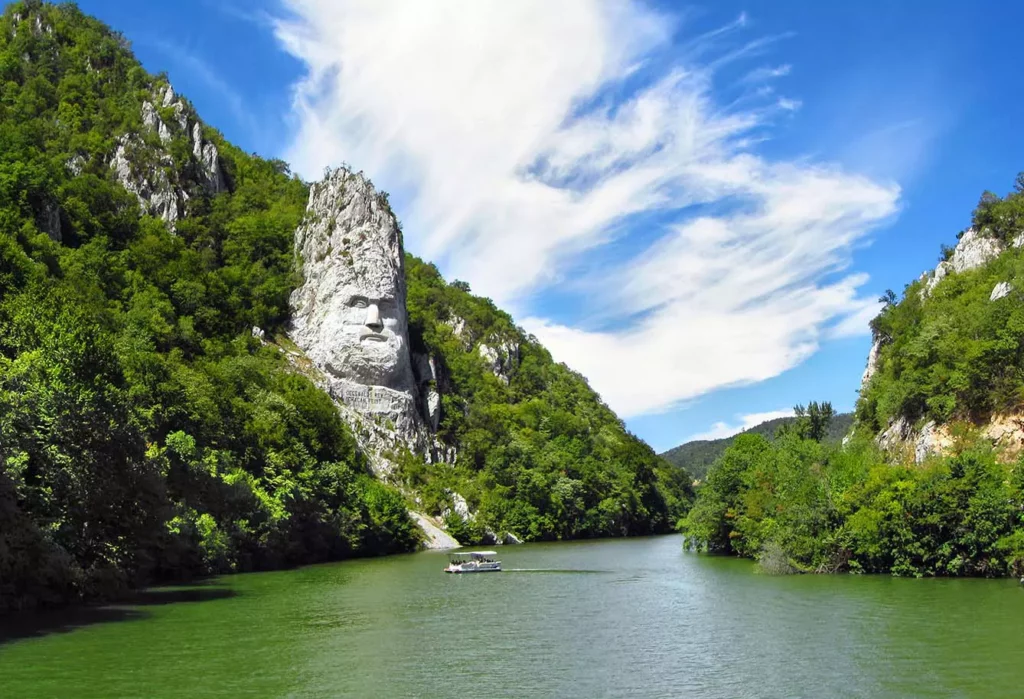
{"type": "Point", "coordinates": [590, 619]}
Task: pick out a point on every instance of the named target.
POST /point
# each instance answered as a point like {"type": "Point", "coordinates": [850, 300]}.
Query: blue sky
{"type": "Point", "coordinates": [692, 204]}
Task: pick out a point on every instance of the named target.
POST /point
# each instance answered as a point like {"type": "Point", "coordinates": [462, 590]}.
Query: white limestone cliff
{"type": "Point", "coordinates": [501, 358]}
{"type": "Point", "coordinates": [872, 366]}
{"type": "Point", "coordinates": [434, 537]}
{"type": "Point", "coordinates": [146, 174]}
{"type": "Point", "coordinates": [902, 441]}
{"type": "Point", "coordinates": [1000, 291]}
{"type": "Point", "coordinates": [973, 250]}
{"type": "Point", "coordinates": [349, 318]}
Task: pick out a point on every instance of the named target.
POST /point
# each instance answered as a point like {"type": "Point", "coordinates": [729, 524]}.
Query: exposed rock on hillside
{"type": "Point", "coordinates": [1000, 290]}
{"type": "Point", "coordinates": [973, 250]}
{"type": "Point", "coordinates": [436, 538]}
{"type": "Point", "coordinates": [150, 172]}
{"type": "Point", "coordinates": [902, 441]}
{"type": "Point", "coordinates": [349, 316]}
{"type": "Point", "coordinates": [501, 359]}
{"type": "Point", "coordinates": [872, 365]}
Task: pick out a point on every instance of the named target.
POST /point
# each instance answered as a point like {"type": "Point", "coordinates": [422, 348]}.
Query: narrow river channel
{"type": "Point", "coordinates": [636, 618]}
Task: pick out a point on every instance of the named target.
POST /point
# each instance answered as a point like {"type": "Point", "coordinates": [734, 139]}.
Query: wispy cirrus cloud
{"type": "Point", "coordinates": [540, 140]}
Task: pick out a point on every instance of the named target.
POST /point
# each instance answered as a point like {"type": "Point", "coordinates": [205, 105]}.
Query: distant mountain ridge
{"type": "Point", "coordinates": [697, 456]}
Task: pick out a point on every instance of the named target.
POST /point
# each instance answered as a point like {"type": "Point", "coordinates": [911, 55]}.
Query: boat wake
{"type": "Point", "coordinates": [554, 570]}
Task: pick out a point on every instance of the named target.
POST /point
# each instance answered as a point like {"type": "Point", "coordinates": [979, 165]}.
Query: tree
{"type": "Point", "coordinates": [813, 421]}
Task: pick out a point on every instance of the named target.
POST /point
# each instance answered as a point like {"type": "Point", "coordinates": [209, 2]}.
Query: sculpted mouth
{"type": "Point", "coordinates": [374, 337]}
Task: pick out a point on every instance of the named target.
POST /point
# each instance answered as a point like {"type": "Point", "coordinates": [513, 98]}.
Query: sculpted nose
{"type": "Point", "coordinates": [373, 321]}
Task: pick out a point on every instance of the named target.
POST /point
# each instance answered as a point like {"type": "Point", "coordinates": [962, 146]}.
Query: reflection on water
{"type": "Point", "coordinates": [597, 618]}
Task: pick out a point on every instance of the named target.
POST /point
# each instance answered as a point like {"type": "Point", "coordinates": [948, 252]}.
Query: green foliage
{"type": "Point", "coordinates": [954, 354]}
{"type": "Point", "coordinates": [539, 454]}
{"type": "Point", "coordinates": [144, 434]}
{"type": "Point", "coordinates": [813, 421]}
{"type": "Point", "coordinates": [797, 504]}
{"type": "Point", "coordinates": [696, 457]}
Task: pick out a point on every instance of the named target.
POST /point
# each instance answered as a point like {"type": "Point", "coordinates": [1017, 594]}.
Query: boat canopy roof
{"type": "Point", "coordinates": [474, 554]}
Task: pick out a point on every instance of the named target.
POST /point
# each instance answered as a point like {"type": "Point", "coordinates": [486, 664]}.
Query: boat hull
{"type": "Point", "coordinates": [459, 569]}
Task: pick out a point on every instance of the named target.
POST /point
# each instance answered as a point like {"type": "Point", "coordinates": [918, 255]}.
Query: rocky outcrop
{"type": "Point", "coordinates": [425, 371]}
{"type": "Point", "coordinates": [1000, 290]}
{"type": "Point", "coordinates": [872, 366]}
{"type": "Point", "coordinates": [902, 441]}
{"type": "Point", "coordinates": [434, 537]}
{"type": "Point", "coordinates": [896, 435]}
{"type": "Point", "coordinates": [973, 250]}
{"type": "Point", "coordinates": [931, 440]}
{"type": "Point", "coordinates": [501, 359]}
{"type": "Point", "coordinates": [150, 172]}
{"type": "Point", "coordinates": [49, 220]}
{"type": "Point", "coordinates": [349, 318]}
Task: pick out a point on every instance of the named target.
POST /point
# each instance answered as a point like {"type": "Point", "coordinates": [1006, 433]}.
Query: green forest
{"type": "Point", "coordinates": [697, 456]}
{"type": "Point", "coordinates": [540, 456]}
{"type": "Point", "coordinates": [146, 435]}
{"type": "Point", "coordinates": [953, 355]}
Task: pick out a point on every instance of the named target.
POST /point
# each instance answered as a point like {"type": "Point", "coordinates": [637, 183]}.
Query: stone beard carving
{"type": "Point", "coordinates": [369, 333]}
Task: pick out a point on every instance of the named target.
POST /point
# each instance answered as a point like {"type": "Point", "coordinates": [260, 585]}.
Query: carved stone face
{"type": "Point", "coordinates": [349, 314]}
{"type": "Point", "coordinates": [369, 332]}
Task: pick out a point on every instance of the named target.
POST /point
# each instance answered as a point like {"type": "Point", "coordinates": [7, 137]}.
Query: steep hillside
{"type": "Point", "coordinates": [156, 421]}
{"type": "Point", "coordinates": [697, 456]}
{"type": "Point", "coordinates": [931, 482]}
{"type": "Point", "coordinates": [539, 454]}
{"type": "Point", "coordinates": [949, 356]}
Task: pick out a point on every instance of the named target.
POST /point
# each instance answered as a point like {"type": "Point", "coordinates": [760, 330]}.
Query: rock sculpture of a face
{"type": "Point", "coordinates": [349, 315]}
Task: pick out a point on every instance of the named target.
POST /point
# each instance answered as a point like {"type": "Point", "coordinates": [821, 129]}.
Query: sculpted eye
{"type": "Point", "coordinates": [358, 302]}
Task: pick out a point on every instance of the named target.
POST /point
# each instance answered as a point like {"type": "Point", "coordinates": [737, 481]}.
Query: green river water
{"type": "Point", "coordinates": [591, 619]}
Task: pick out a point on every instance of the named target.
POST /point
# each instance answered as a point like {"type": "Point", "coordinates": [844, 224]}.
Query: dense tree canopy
{"type": "Point", "coordinates": [796, 504]}
{"type": "Point", "coordinates": [953, 353]}
{"type": "Point", "coordinates": [144, 433]}
{"type": "Point", "coordinates": [539, 454]}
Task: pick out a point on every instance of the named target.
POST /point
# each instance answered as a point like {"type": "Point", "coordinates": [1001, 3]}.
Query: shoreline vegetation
{"type": "Point", "coordinates": [946, 497]}
{"type": "Point", "coordinates": [798, 506]}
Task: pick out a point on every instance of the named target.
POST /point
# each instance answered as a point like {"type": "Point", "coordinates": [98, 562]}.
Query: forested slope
{"type": "Point", "coordinates": [932, 482]}
{"type": "Point", "coordinates": [147, 433]}
{"type": "Point", "coordinates": [540, 455]}
{"type": "Point", "coordinates": [144, 433]}
{"type": "Point", "coordinates": [698, 456]}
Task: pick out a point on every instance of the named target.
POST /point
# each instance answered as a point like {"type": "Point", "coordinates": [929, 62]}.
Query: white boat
{"type": "Point", "coordinates": [473, 562]}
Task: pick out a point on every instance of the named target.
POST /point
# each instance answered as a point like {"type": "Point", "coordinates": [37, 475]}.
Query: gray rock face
{"type": "Point", "coordinates": [872, 366]}
{"type": "Point", "coordinates": [1000, 290]}
{"type": "Point", "coordinates": [434, 537]}
{"type": "Point", "coordinates": [75, 165]}
{"type": "Point", "coordinates": [150, 185]}
{"type": "Point", "coordinates": [159, 194]}
{"type": "Point", "coordinates": [972, 251]}
{"type": "Point", "coordinates": [895, 435]}
{"type": "Point", "coordinates": [208, 156]}
{"type": "Point", "coordinates": [349, 314]}
{"type": "Point", "coordinates": [50, 220]}
{"type": "Point", "coordinates": [501, 359]}
{"type": "Point", "coordinates": [930, 440]}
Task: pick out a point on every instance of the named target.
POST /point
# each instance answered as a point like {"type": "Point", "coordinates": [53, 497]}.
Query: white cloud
{"type": "Point", "coordinates": [526, 133]}
{"type": "Point", "coordinates": [721, 430]}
